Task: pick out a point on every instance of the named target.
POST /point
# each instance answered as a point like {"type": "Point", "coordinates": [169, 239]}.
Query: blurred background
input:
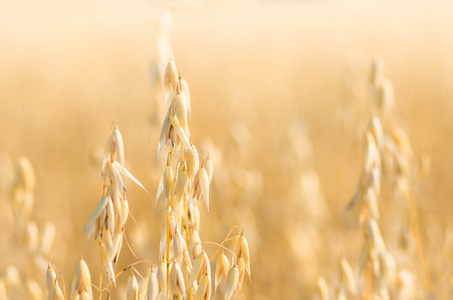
{"type": "Point", "coordinates": [280, 101]}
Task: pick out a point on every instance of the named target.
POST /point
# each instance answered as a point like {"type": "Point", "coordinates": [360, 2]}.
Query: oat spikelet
{"type": "Point", "coordinates": [195, 243]}
{"type": "Point", "coordinates": [171, 75]}
{"type": "Point", "coordinates": [347, 277]}
{"type": "Point", "coordinates": [81, 282]}
{"type": "Point", "coordinates": [153, 286]}
{"type": "Point", "coordinates": [51, 277]}
{"type": "Point", "coordinates": [322, 292]}
{"type": "Point", "coordinates": [22, 192]}
{"type": "Point", "coordinates": [47, 237]}
{"type": "Point", "coordinates": [245, 254]}
{"type": "Point", "coordinates": [204, 183]}
{"type": "Point", "coordinates": [180, 250]}
{"type": "Point", "coordinates": [177, 285]}
{"type": "Point", "coordinates": [221, 269]}
{"type": "Point", "coordinates": [197, 267]}
{"type": "Point", "coordinates": [202, 287]}
{"type": "Point", "coordinates": [54, 291]}
{"type": "Point", "coordinates": [185, 91]}
{"type": "Point", "coordinates": [165, 183]}
{"type": "Point", "coordinates": [232, 282]}
{"type": "Point", "coordinates": [132, 288]}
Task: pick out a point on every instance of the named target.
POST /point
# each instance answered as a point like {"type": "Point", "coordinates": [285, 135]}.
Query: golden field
{"type": "Point", "coordinates": [280, 100]}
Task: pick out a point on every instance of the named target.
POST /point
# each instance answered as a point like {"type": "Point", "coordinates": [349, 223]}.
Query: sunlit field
{"type": "Point", "coordinates": [318, 134]}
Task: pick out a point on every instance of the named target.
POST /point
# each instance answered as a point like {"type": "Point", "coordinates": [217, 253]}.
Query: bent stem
{"type": "Point", "coordinates": [122, 271]}
{"type": "Point", "coordinates": [226, 240]}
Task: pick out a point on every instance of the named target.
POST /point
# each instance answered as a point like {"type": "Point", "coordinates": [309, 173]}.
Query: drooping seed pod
{"type": "Point", "coordinates": [322, 292]}
{"type": "Point", "coordinates": [32, 237]}
{"type": "Point", "coordinates": [25, 175]}
{"type": "Point", "coordinates": [180, 109]}
{"type": "Point", "coordinates": [185, 272]}
{"type": "Point", "coordinates": [177, 285]}
{"type": "Point", "coordinates": [193, 163]}
{"type": "Point", "coordinates": [206, 264]}
{"type": "Point", "coordinates": [54, 290]}
{"type": "Point", "coordinates": [221, 269]}
{"type": "Point", "coordinates": [165, 134]}
{"type": "Point", "coordinates": [208, 293]}
{"type": "Point", "coordinates": [165, 183]}
{"type": "Point", "coordinates": [194, 217]}
{"type": "Point", "coordinates": [51, 277]}
{"type": "Point", "coordinates": [153, 285]}
{"type": "Point", "coordinates": [47, 237]}
{"type": "Point", "coordinates": [58, 293]}
{"type": "Point", "coordinates": [241, 268]}
{"type": "Point", "coordinates": [162, 276]}
{"type": "Point", "coordinates": [374, 235]}
{"type": "Point", "coordinates": [22, 192]}
{"type": "Point", "coordinates": [201, 186]}
{"type": "Point", "coordinates": [186, 92]}
{"type": "Point", "coordinates": [232, 282]}
{"type": "Point", "coordinates": [346, 277]}
{"type": "Point", "coordinates": [107, 263]}
{"type": "Point", "coordinates": [245, 254]}
{"type": "Point", "coordinates": [204, 183]}
{"type": "Point", "coordinates": [196, 269]}
{"type": "Point", "coordinates": [201, 289]}
{"type": "Point", "coordinates": [132, 288]}
{"type": "Point", "coordinates": [114, 151]}
{"type": "Point", "coordinates": [181, 184]}
{"type": "Point", "coordinates": [369, 206]}
{"type": "Point", "coordinates": [180, 249]}
{"type": "Point", "coordinates": [171, 75]}
{"type": "Point", "coordinates": [195, 243]}
{"type": "Point", "coordinates": [81, 282]}
{"type": "Point", "coordinates": [143, 290]}
{"type": "Point", "coordinates": [183, 137]}
{"type": "Point", "coordinates": [12, 278]}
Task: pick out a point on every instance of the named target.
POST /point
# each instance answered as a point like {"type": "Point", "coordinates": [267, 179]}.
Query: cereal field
{"type": "Point", "coordinates": [226, 150]}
